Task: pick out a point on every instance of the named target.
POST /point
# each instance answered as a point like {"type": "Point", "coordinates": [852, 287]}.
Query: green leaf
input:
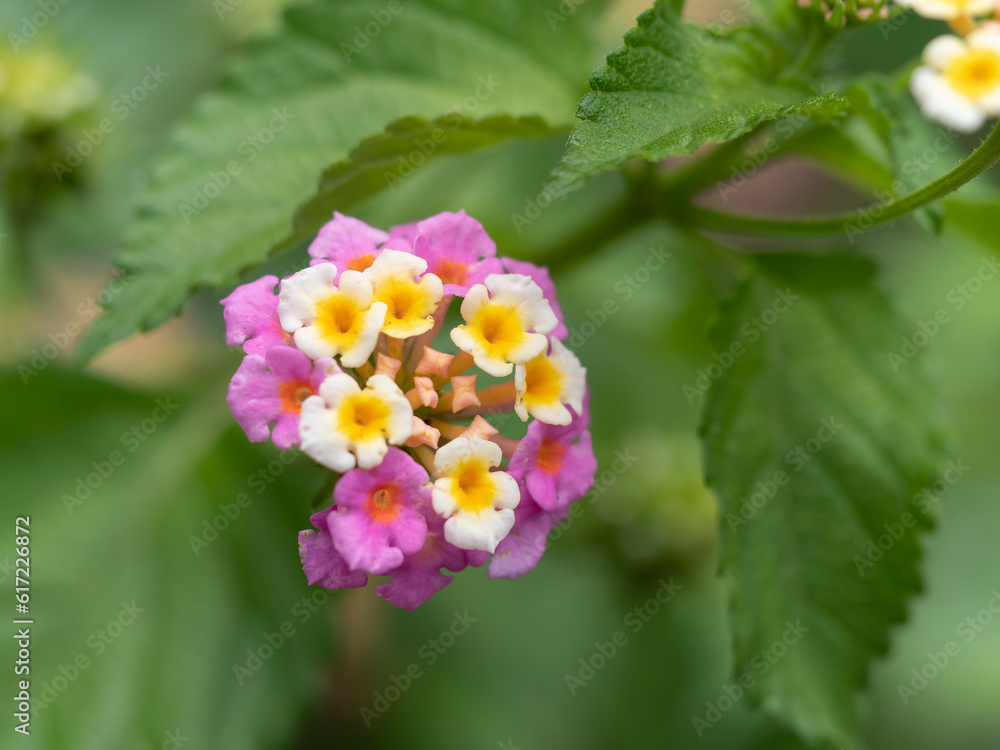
{"type": "Point", "coordinates": [385, 160]}
{"type": "Point", "coordinates": [117, 485]}
{"type": "Point", "coordinates": [674, 87]}
{"type": "Point", "coordinates": [223, 193]}
{"type": "Point", "coordinates": [815, 440]}
{"type": "Point", "coordinates": [919, 151]}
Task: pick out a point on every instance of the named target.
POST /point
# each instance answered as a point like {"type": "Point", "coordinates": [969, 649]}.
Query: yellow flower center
{"type": "Point", "coordinates": [340, 319]}
{"type": "Point", "coordinates": [975, 73]}
{"type": "Point", "coordinates": [473, 488]}
{"type": "Point", "coordinates": [542, 381]}
{"type": "Point", "coordinates": [409, 306]}
{"type": "Point", "coordinates": [500, 329]}
{"type": "Point", "coordinates": [362, 417]}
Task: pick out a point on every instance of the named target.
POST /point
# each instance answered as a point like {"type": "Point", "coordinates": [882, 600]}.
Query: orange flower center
{"type": "Point", "coordinates": [360, 263]}
{"type": "Point", "coordinates": [550, 456]}
{"type": "Point", "coordinates": [292, 393]}
{"type": "Point", "coordinates": [451, 271]}
{"type": "Point", "coordinates": [383, 503]}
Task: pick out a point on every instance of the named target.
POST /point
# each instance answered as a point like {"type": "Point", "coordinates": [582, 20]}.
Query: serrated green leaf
{"type": "Point", "coordinates": [385, 160]}
{"type": "Point", "coordinates": [224, 191]}
{"type": "Point", "coordinates": [855, 434]}
{"type": "Point", "coordinates": [674, 87]}
{"type": "Point", "coordinates": [116, 485]}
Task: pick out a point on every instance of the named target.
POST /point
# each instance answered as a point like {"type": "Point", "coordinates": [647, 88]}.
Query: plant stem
{"type": "Point", "coordinates": [975, 164]}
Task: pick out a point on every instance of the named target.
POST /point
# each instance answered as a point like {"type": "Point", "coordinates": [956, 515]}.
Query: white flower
{"type": "Point", "coordinates": [500, 315]}
{"type": "Point", "coordinates": [410, 303]}
{"type": "Point", "coordinates": [478, 503]}
{"type": "Point", "coordinates": [946, 10]}
{"type": "Point", "coordinates": [548, 382]}
{"type": "Point", "coordinates": [345, 426]}
{"type": "Point", "coordinates": [959, 83]}
{"type": "Point", "coordinates": [327, 319]}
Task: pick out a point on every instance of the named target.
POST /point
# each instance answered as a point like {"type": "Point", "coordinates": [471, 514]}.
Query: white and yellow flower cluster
{"type": "Point", "coordinates": [958, 84]}
{"type": "Point", "coordinates": [367, 315]}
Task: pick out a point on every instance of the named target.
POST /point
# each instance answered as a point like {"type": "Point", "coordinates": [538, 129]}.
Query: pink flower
{"type": "Point", "coordinates": [375, 522]}
{"type": "Point", "coordinates": [541, 277]}
{"type": "Point", "coordinates": [251, 315]}
{"type": "Point", "coordinates": [555, 463]}
{"type": "Point", "coordinates": [322, 563]}
{"type": "Point", "coordinates": [270, 390]}
{"type": "Point", "coordinates": [457, 250]}
{"type": "Point", "coordinates": [350, 243]}
{"type": "Point", "coordinates": [420, 576]}
{"type": "Point", "coordinates": [523, 547]}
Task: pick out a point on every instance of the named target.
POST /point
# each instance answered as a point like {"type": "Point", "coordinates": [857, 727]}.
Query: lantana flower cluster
{"type": "Point", "coordinates": [958, 84]}
{"type": "Point", "coordinates": [343, 361]}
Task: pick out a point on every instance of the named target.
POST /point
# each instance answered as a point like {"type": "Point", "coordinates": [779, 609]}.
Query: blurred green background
{"type": "Point", "coordinates": [168, 677]}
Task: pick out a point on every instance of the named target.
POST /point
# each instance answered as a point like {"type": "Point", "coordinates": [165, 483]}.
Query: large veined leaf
{"type": "Point", "coordinates": [385, 160]}
{"type": "Point", "coordinates": [224, 192]}
{"type": "Point", "coordinates": [675, 86]}
{"type": "Point", "coordinates": [163, 547]}
{"type": "Point", "coordinates": [816, 442]}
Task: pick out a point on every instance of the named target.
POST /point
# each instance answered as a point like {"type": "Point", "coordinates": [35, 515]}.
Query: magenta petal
{"type": "Point", "coordinates": [523, 547]}
{"type": "Point", "coordinates": [412, 586]}
{"type": "Point", "coordinates": [253, 398]}
{"type": "Point", "coordinates": [575, 475]}
{"type": "Point", "coordinates": [344, 238]}
{"type": "Point", "coordinates": [420, 576]}
{"type": "Point", "coordinates": [254, 393]}
{"type": "Point", "coordinates": [457, 236]}
{"type": "Point", "coordinates": [540, 275]}
{"type": "Point", "coordinates": [251, 316]}
{"type": "Point", "coordinates": [378, 544]}
{"type": "Point", "coordinates": [363, 543]}
{"type": "Point", "coordinates": [323, 565]}
{"type": "Point", "coordinates": [409, 531]}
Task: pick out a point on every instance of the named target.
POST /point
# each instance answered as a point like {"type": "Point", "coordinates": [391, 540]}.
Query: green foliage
{"type": "Point", "coordinates": [112, 523]}
{"type": "Point", "coordinates": [676, 86]}
{"type": "Point", "coordinates": [816, 442]}
{"type": "Point", "coordinates": [224, 190]}
{"type": "Point", "coordinates": [385, 160]}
